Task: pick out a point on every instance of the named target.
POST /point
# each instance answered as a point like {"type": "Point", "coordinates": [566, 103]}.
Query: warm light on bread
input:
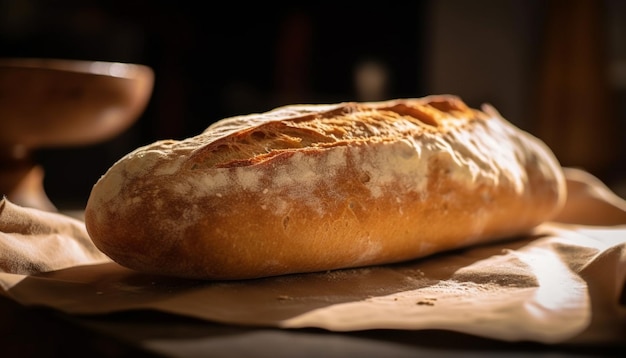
{"type": "Point", "coordinates": [308, 188]}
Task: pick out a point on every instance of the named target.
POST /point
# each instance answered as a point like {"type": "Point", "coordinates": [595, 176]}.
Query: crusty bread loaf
{"type": "Point", "coordinates": [308, 188]}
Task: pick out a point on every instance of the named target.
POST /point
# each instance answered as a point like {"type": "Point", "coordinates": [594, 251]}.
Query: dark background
{"type": "Point", "coordinates": [217, 60]}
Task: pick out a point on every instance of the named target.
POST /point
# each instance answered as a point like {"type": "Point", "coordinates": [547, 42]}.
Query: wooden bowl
{"type": "Point", "coordinates": [61, 103]}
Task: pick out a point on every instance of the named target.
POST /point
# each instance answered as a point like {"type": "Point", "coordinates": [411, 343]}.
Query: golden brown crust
{"type": "Point", "coordinates": [322, 187]}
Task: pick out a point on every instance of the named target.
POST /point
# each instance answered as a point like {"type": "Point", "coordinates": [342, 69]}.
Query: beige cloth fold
{"type": "Point", "coordinates": [34, 241]}
{"type": "Point", "coordinates": [564, 282]}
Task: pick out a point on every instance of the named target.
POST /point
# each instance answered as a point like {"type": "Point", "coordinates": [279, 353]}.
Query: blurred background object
{"type": "Point", "coordinates": [53, 103]}
{"type": "Point", "coordinates": [575, 106]}
{"type": "Point", "coordinates": [210, 64]}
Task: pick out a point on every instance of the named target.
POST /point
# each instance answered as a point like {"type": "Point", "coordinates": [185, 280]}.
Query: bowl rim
{"type": "Point", "coordinates": [91, 67]}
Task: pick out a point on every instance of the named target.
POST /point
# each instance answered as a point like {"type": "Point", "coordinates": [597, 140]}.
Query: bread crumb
{"type": "Point", "coordinates": [426, 302]}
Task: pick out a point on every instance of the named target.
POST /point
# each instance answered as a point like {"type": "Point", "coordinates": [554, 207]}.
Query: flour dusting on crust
{"type": "Point", "coordinates": [308, 187]}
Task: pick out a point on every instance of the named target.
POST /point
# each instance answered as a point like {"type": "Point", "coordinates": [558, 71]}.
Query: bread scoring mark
{"type": "Point", "coordinates": [426, 114]}
{"type": "Point", "coordinates": [249, 140]}
{"type": "Point", "coordinates": [255, 145]}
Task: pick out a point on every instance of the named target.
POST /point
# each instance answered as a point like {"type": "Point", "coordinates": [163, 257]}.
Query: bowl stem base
{"type": "Point", "coordinates": [21, 182]}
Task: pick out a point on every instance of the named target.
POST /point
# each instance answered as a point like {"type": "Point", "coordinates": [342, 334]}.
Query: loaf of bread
{"type": "Point", "coordinates": [307, 188]}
